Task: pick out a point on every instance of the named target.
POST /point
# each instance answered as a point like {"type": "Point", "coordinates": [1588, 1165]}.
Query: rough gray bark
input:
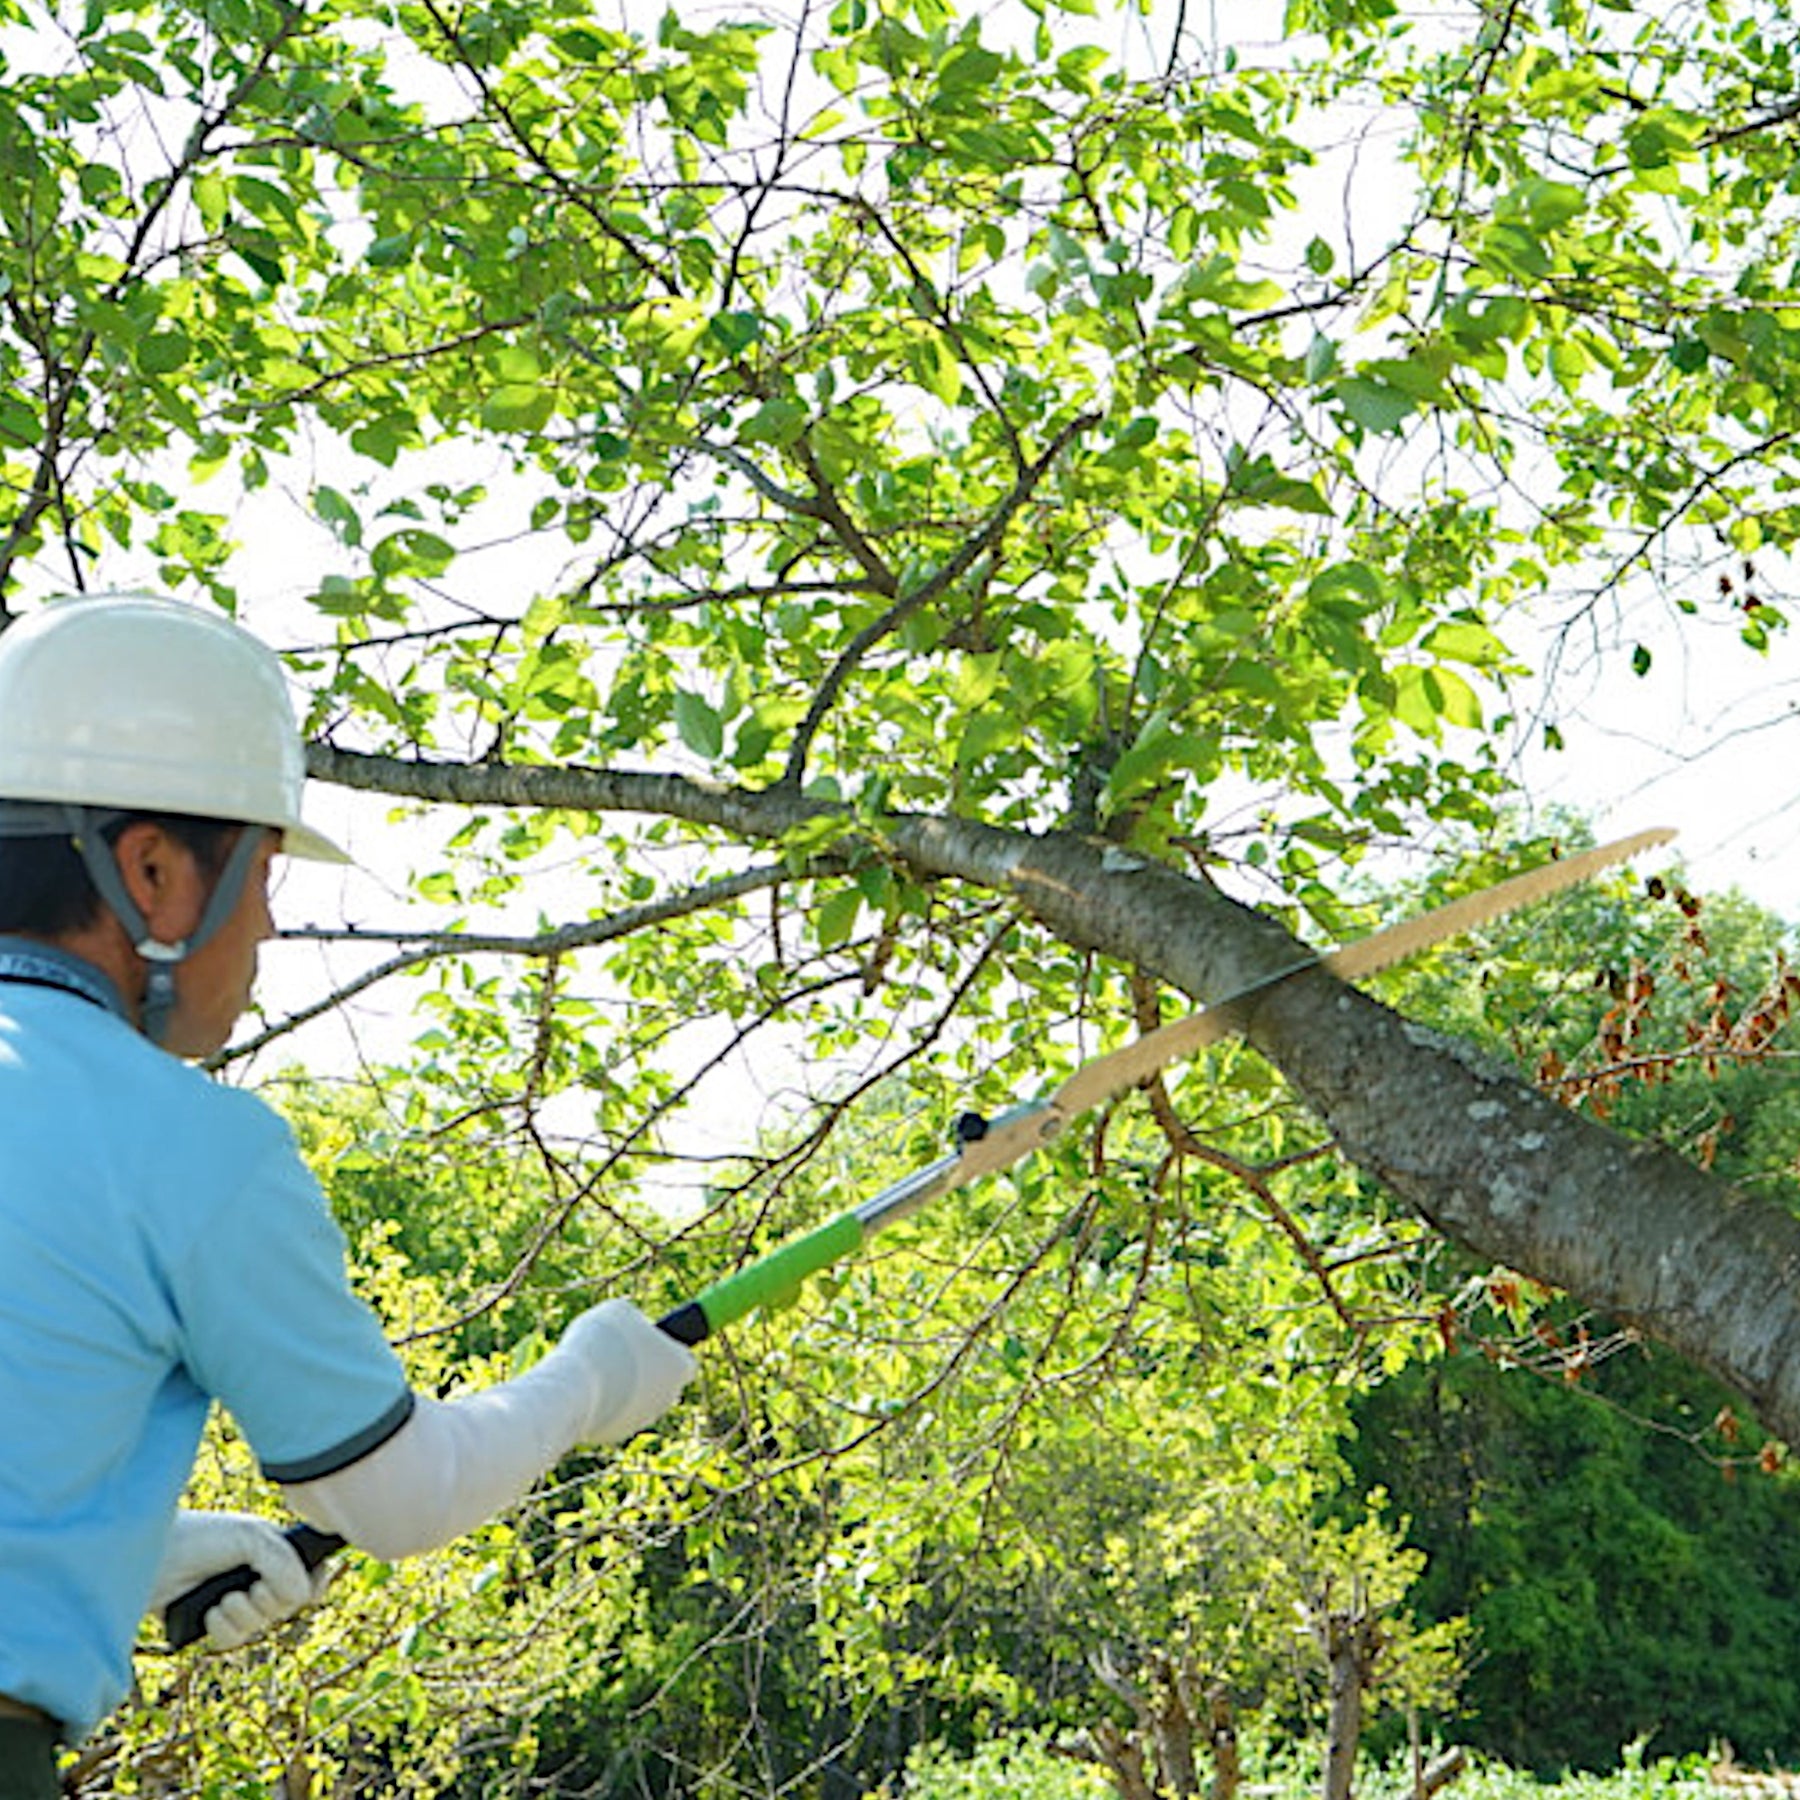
{"type": "Point", "coordinates": [1352, 1643]}
{"type": "Point", "coordinates": [1625, 1227]}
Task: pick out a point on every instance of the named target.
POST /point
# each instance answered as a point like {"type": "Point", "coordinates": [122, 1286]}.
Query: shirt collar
{"type": "Point", "coordinates": [43, 965]}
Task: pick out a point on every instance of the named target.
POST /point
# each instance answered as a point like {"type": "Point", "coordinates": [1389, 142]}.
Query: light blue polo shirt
{"type": "Point", "coordinates": [161, 1246]}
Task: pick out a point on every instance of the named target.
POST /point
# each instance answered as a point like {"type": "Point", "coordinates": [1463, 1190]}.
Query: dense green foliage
{"type": "Point", "coordinates": [1018, 1766]}
{"type": "Point", "coordinates": [1022, 1767]}
{"type": "Point", "coordinates": [1619, 1584]}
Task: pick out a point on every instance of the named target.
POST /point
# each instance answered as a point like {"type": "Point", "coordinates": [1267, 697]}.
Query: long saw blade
{"type": "Point", "coordinates": [1094, 1083]}
{"type": "Point", "coordinates": [1015, 1134]}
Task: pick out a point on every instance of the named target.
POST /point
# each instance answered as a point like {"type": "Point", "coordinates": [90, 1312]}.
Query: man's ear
{"type": "Point", "coordinates": [159, 874]}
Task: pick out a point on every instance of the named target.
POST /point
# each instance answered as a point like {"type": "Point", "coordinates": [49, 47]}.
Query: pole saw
{"type": "Point", "coordinates": [985, 1146]}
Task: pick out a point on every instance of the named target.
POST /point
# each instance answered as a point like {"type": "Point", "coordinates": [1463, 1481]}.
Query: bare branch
{"type": "Point", "coordinates": [550, 945]}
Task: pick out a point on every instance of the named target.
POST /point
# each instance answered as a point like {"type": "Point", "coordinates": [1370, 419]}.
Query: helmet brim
{"type": "Point", "coordinates": [313, 846]}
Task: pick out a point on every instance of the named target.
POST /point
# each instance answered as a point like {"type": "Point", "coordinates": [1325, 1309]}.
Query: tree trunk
{"type": "Point", "coordinates": [1227, 1763]}
{"type": "Point", "coordinates": [1352, 1642]}
{"type": "Point", "coordinates": [1440, 1772]}
{"type": "Point", "coordinates": [1122, 1757]}
{"type": "Point", "coordinates": [1173, 1724]}
{"type": "Point", "coordinates": [1628, 1228]}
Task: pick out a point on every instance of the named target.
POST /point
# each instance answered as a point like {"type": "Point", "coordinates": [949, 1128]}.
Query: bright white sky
{"type": "Point", "coordinates": [1706, 741]}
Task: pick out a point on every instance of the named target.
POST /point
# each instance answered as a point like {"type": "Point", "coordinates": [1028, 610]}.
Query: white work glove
{"type": "Point", "coordinates": [204, 1544]}
{"type": "Point", "coordinates": [630, 1372]}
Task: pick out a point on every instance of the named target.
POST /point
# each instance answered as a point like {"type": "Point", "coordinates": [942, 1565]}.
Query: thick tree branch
{"type": "Point", "coordinates": [1627, 1227]}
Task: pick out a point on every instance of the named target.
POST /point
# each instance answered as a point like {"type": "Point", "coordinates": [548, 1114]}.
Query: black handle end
{"type": "Point", "coordinates": [184, 1618]}
{"type": "Point", "coordinates": [687, 1324]}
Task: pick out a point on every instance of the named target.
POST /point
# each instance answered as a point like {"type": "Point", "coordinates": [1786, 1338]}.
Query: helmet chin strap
{"type": "Point", "coordinates": [87, 826]}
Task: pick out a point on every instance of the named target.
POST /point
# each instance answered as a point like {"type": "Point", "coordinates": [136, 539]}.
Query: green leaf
{"type": "Point", "coordinates": [1161, 748]}
{"type": "Point", "coordinates": [1415, 701]}
{"type": "Point", "coordinates": [1348, 581]}
{"type": "Point", "coordinates": [1262, 483]}
{"type": "Point", "coordinates": [736, 331]}
{"type": "Point", "coordinates": [163, 352]}
{"type": "Point", "coordinates": [1661, 137]}
{"type": "Point", "coordinates": [212, 196]}
{"type": "Point", "coordinates": [774, 422]}
{"type": "Point", "coordinates": [1514, 251]}
{"type": "Point", "coordinates": [517, 363]}
{"type": "Point", "coordinates": [699, 725]}
{"type": "Point", "coordinates": [985, 732]}
{"type": "Point", "coordinates": [931, 358]}
{"type": "Point", "coordinates": [265, 200]}
{"type": "Point", "coordinates": [1426, 698]}
{"type": "Point", "coordinates": [385, 436]}
{"type": "Point", "coordinates": [1257, 680]}
{"type": "Point", "coordinates": [19, 422]}
{"type": "Point", "coordinates": [1466, 641]}
{"type": "Point", "coordinates": [341, 598]}
{"type": "Point", "coordinates": [1375, 405]}
{"type": "Point", "coordinates": [836, 918]}
{"type": "Point", "coordinates": [339, 514]}
{"type": "Point", "coordinates": [261, 252]}
{"type": "Point", "coordinates": [518, 406]}
{"type": "Point", "coordinates": [1455, 699]}
{"type": "Point", "coordinates": [969, 72]}
{"type": "Point", "coordinates": [1488, 318]}
{"type": "Point", "coordinates": [1545, 204]}
{"type": "Point", "coordinates": [411, 552]}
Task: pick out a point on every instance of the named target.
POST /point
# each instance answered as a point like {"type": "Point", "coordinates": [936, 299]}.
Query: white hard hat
{"type": "Point", "coordinates": [135, 703]}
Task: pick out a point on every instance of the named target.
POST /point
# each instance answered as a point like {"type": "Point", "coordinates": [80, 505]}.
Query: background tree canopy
{"type": "Point", "coordinates": [853, 534]}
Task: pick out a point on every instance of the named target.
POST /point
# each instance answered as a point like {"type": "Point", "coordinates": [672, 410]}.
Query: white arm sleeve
{"type": "Point", "coordinates": [452, 1465]}
{"type": "Point", "coordinates": [455, 1463]}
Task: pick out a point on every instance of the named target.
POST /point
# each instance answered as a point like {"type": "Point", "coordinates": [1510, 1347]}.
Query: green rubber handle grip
{"type": "Point", "coordinates": [773, 1279]}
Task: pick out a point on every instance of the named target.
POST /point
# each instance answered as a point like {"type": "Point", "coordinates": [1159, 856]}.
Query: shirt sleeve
{"type": "Point", "coordinates": [271, 1328]}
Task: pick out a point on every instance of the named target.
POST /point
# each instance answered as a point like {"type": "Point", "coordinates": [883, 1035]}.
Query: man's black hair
{"type": "Point", "coordinates": [45, 888]}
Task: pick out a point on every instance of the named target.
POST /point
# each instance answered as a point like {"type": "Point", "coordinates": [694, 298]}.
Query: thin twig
{"type": "Point", "coordinates": [548, 944]}
{"type": "Point", "coordinates": [941, 579]}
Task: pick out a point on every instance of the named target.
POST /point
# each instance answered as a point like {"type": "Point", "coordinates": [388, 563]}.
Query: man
{"type": "Point", "coordinates": [161, 1243]}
